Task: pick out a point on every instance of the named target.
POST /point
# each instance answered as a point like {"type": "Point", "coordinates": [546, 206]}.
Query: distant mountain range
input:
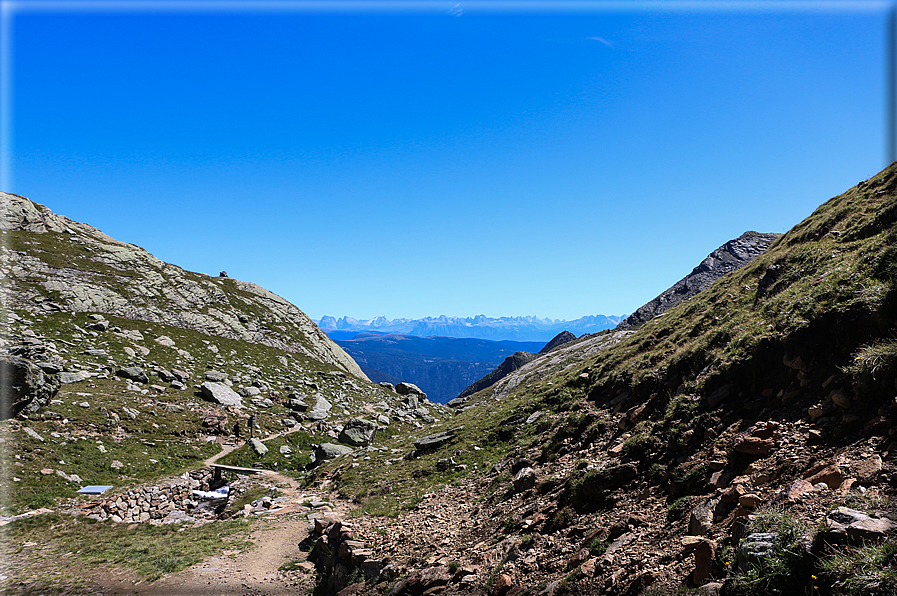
{"type": "Point", "coordinates": [479, 327]}
{"type": "Point", "coordinates": [440, 366]}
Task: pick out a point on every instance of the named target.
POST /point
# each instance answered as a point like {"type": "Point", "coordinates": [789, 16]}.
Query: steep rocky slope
{"type": "Point", "coordinates": [53, 264]}
{"type": "Point", "coordinates": [118, 369]}
{"type": "Point", "coordinates": [732, 255]}
{"type": "Point", "coordinates": [744, 441]}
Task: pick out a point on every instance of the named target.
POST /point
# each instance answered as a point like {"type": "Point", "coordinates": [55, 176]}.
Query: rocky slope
{"type": "Point", "coordinates": [732, 255]}
{"type": "Point", "coordinates": [511, 364]}
{"type": "Point", "coordinates": [729, 257]}
{"type": "Point", "coordinates": [53, 264]}
{"type": "Point", "coordinates": [744, 443]}
{"type": "Point", "coordinates": [119, 369]}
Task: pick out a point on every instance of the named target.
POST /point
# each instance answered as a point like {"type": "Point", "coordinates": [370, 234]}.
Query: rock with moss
{"type": "Point", "coordinates": [25, 387]}
{"type": "Point", "coordinates": [358, 432]}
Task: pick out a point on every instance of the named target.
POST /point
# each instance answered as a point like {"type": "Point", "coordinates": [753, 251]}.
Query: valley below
{"type": "Point", "coordinates": [169, 432]}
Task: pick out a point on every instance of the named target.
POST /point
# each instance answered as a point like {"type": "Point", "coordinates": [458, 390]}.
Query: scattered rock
{"type": "Point", "coordinates": [221, 394]}
{"type": "Point", "coordinates": [133, 373]}
{"type": "Point", "coordinates": [358, 432]}
{"type": "Point", "coordinates": [701, 518]}
{"type": "Point", "coordinates": [434, 441]}
{"type": "Point", "coordinates": [595, 484]}
{"type": "Point", "coordinates": [525, 479]}
{"type": "Point", "coordinates": [257, 446]}
{"type": "Point", "coordinates": [330, 451]}
{"type": "Point", "coordinates": [856, 524]}
{"type": "Point", "coordinates": [793, 493]}
{"type": "Point", "coordinates": [410, 389]}
{"type": "Point", "coordinates": [215, 376]}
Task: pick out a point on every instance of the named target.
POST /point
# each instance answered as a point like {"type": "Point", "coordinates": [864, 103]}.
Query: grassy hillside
{"type": "Point", "coordinates": [802, 341]}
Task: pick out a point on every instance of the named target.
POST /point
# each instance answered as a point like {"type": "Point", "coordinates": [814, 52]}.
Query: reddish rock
{"type": "Point", "coordinates": [733, 493]}
{"type": "Point", "coordinates": [749, 501]}
{"type": "Point", "coordinates": [830, 475]}
{"type": "Point", "coordinates": [351, 590]}
{"type": "Point", "coordinates": [641, 582]}
{"type": "Point", "coordinates": [839, 399]}
{"type": "Point", "coordinates": [877, 427]}
{"type": "Point", "coordinates": [793, 493]}
{"type": "Point", "coordinates": [588, 568]}
{"type": "Point", "coordinates": [705, 562]}
{"type": "Point", "coordinates": [502, 585]}
{"type": "Point", "coordinates": [753, 445]}
{"type": "Point", "coordinates": [868, 469]}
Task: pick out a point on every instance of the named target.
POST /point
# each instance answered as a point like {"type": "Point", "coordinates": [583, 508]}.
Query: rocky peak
{"type": "Point", "coordinates": [56, 264]}
{"type": "Point", "coordinates": [729, 257]}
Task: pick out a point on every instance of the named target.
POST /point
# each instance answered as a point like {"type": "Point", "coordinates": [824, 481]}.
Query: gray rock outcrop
{"type": "Point", "coordinates": [358, 432]}
{"type": "Point", "coordinates": [257, 446]}
{"type": "Point", "coordinates": [133, 373]}
{"type": "Point", "coordinates": [220, 393]}
{"type": "Point", "coordinates": [434, 441]}
{"type": "Point", "coordinates": [330, 451]}
{"type": "Point", "coordinates": [410, 389]}
{"type": "Point", "coordinates": [24, 387]}
{"type": "Point", "coordinates": [729, 257]}
{"type": "Point", "coordinates": [560, 339]}
{"type": "Point", "coordinates": [511, 363]}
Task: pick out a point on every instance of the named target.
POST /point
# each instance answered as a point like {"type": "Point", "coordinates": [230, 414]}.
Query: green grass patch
{"type": "Point", "coordinates": [861, 570]}
{"type": "Point", "coordinates": [150, 551]}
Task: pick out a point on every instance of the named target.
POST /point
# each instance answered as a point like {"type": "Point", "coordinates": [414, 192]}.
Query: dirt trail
{"type": "Point", "coordinates": [276, 538]}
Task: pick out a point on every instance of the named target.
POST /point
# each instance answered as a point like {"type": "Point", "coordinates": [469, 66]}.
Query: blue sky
{"type": "Point", "coordinates": [443, 158]}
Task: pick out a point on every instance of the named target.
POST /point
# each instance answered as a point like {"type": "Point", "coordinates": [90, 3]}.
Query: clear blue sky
{"type": "Point", "coordinates": [443, 159]}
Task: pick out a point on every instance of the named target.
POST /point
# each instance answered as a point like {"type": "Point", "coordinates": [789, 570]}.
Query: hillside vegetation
{"type": "Point", "coordinates": [742, 442]}
{"type": "Point", "coordinates": [767, 400]}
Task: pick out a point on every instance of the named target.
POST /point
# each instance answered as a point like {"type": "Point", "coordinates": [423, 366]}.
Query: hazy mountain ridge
{"type": "Point", "coordinates": [522, 328]}
{"type": "Point", "coordinates": [727, 258]}
{"type": "Point", "coordinates": [440, 366]}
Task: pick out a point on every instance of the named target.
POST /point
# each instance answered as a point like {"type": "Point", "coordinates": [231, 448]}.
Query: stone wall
{"type": "Point", "coordinates": [145, 503]}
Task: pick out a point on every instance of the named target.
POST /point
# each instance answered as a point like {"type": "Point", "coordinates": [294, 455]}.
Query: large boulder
{"type": "Point", "coordinates": [358, 432]}
{"type": "Point", "coordinates": [257, 446]}
{"type": "Point", "coordinates": [134, 373]}
{"type": "Point", "coordinates": [330, 451]}
{"type": "Point", "coordinates": [320, 410]}
{"type": "Point", "coordinates": [410, 389]}
{"type": "Point", "coordinates": [858, 525]}
{"type": "Point", "coordinates": [220, 393]}
{"type": "Point", "coordinates": [701, 518]}
{"type": "Point", "coordinates": [24, 387]}
{"type": "Point", "coordinates": [434, 441]}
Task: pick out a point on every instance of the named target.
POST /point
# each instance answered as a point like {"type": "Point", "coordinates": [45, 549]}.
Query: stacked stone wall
{"type": "Point", "coordinates": [145, 503]}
